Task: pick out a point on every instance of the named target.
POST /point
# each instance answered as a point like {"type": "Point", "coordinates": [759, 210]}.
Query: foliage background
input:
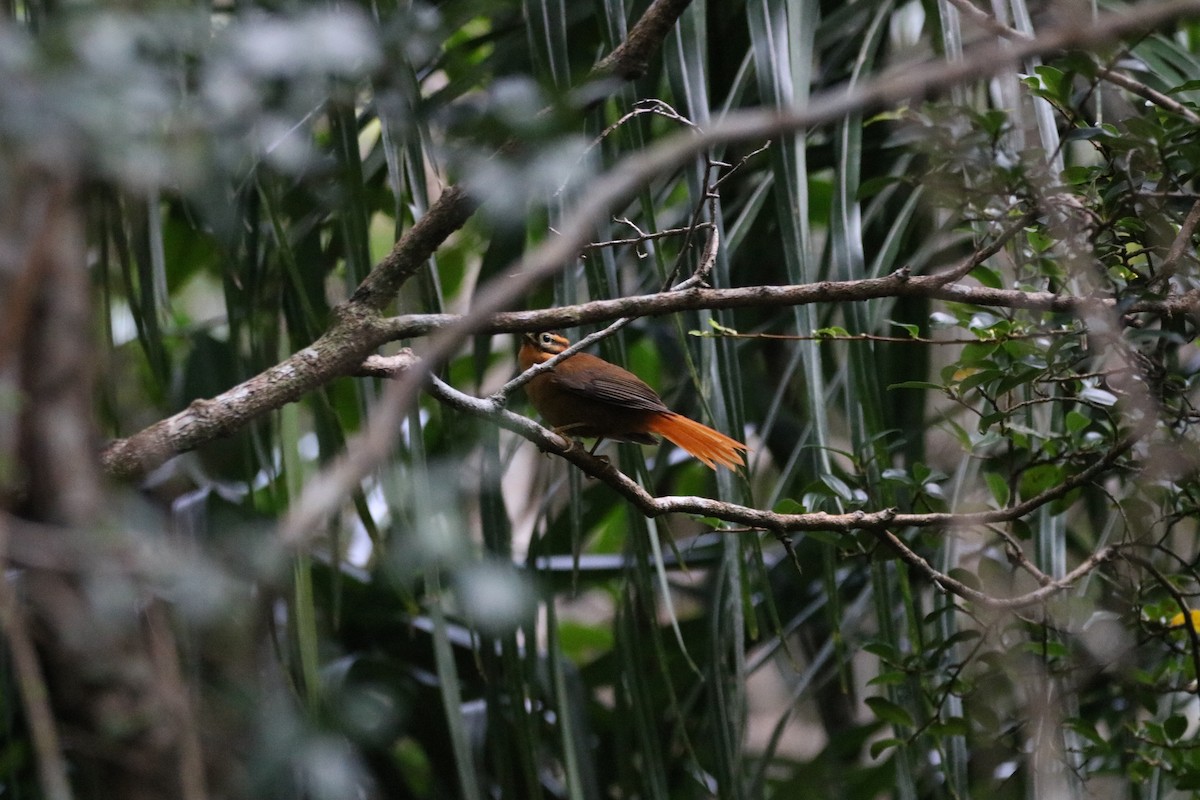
{"type": "Point", "coordinates": [477, 619]}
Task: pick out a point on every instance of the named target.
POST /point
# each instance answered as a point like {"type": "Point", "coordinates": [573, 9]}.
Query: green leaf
{"type": "Point", "coordinates": [1038, 479]}
{"type": "Point", "coordinates": [950, 726]}
{"type": "Point", "coordinates": [927, 385]}
{"type": "Point", "coordinates": [1175, 726]}
{"type": "Point", "coordinates": [1186, 86]}
{"type": "Point", "coordinates": [838, 487]}
{"type": "Point", "coordinates": [891, 678]}
{"type": "Point", "coordinates": [885, 651]}
{"type": "Point", "coordinates": [987, 276]}
{"type": "Point", "coordinates": [870, 188]}
{"type": "Point", "coordinates": [1076, 176]}
{"type": "Point", "coordinates": [998, 486]}
{"type": "Point", "coordinates": [723, 330]}
{"type": "Point", "coordinates": [1076, 422]}
{"type": "Point", "coordinates": [1052, 84]}
{"type": "Point", "coordinates": [1188, 780]}
{"type": "Point", "coordinates": [880, 746]}
{"type": "Point", "coordinates": [889, 712]}
{"type": "Point", "coordinates": [912, 330]}
{"type": "Point", "coordinates": [994, 121]}
{"type": "Point", "coordinates": [965, 577]}
{"type": "Point", "coordinates": [789, 506]}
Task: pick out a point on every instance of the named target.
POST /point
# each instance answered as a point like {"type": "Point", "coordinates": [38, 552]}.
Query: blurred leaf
{"type": "Point", "coordinates": [889, 712]}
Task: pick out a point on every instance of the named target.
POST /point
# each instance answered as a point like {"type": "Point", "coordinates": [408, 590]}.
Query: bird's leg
{"type": "Point", "coordinates": [605, 459]}
{"type": "Point", "coordinates": [593, 454]}
{"type": "Point", "coordinates": [565, 432]}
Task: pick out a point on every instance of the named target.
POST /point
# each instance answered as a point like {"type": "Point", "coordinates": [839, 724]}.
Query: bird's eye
{"type": "Point", "coordinates": [547, 339]}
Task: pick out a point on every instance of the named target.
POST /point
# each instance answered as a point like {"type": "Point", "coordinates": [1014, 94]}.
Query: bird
{"type": "Point", "coordinates": [587, 397]}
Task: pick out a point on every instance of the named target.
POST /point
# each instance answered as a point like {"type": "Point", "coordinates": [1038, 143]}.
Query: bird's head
{"type": "Point", "coordinates": [539, 347]}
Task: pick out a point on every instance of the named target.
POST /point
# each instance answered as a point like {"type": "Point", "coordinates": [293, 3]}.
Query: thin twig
{"type": "Point", "coordinates": [1181, 244]}
{"type": "Point", "coordinates": [982, 254]}
{"type": "Point", "coordinates": [741, 163]}
{"type": "Point", "coordinates": [1016, 555]}
{"type": "Point", "coordinates": [645, 237]}
{"type": "Point", "coordinates": [1035, 597]}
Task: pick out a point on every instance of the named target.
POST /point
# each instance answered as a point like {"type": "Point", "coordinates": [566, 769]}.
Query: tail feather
{"type": "Point", "coordinates": [711, 447]}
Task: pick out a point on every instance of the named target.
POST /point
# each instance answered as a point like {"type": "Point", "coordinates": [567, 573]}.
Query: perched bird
{"type": "Point", "coordinates": [587, 397]}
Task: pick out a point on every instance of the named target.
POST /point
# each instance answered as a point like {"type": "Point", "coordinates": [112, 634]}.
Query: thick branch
{"type": "Point", "coordinates": [338, 353]}
{"type": "Point", "coordinates": [99, 667]}
{"type": "Point", "coordinates": [31, 687]}
{"type": "Point", "coordinates": [448, 213]}
{"type": "Point", "coordinates": [631, 58]}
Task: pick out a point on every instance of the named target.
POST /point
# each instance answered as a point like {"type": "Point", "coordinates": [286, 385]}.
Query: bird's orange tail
{"type": "Point", "coordinates": [711, 447]}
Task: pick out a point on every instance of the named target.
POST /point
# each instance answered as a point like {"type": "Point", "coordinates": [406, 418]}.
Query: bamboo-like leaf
{"type": "Point", "coordinates": [546, 22]}
{"type": "Point", "coordinates": [579, 767]}
{"type": "Point", "coordinates": [452, 704]}
{"type": "Point", "coordinates": [635, 704]}
{"type": "Point", "coordinates": [304, 605]}
{"type": "Point", "coordinates": [782, 41]}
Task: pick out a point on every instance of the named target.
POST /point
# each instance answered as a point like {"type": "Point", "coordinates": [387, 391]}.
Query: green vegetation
{"type": "Point", "coordinates": [939, 273]}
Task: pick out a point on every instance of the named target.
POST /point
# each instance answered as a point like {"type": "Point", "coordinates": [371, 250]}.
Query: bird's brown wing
{"type": "Point", "coordinates": [594, 378]}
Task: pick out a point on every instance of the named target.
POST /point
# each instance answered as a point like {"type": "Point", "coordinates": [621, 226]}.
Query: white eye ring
{"type": "Point", "coordinates": [547, 339]}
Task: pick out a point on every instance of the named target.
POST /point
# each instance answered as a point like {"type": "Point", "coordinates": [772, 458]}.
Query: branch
{"type": "Point", "coordinates": [546, 440]}
{"type": "Point", "coordinates": [898, 284]}
{"type": "Point", "coordinates": [1177, 596]}
{"type": "Point", "coordinates": [1182, 244]}
{"type": "Point", "coordinates": [448, 213]}
{"type": "Point", "coordinates": [707, 259]}
{"type": "Point", "coordinates": [631, 58]}
{"type": "Point", "coordinates": [1038, 595]}
{"type": "Point", "coordinates": [338, 353]}
{"type": "Point", "coordinates": [880, 523]}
